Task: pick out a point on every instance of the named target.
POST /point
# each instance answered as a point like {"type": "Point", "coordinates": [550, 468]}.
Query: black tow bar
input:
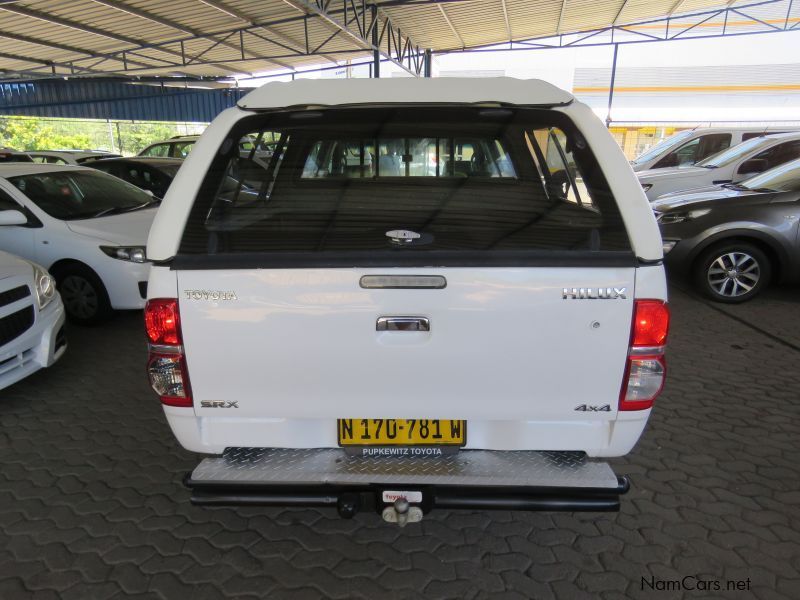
{"type": "Point", "coordinates": [352, 499]}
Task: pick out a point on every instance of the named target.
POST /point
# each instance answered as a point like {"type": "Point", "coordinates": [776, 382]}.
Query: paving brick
{"type": "Point", "coordinates": [91, 502]}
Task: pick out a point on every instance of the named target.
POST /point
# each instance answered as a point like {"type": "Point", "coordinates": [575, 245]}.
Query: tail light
{"type": "Point", "coordinates": [166, 363]}
{"type": "Point", "coordinates": [646, 369]}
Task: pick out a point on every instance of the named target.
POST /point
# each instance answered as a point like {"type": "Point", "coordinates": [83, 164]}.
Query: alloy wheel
{"type": "Point", "coordinates": [733, 274]}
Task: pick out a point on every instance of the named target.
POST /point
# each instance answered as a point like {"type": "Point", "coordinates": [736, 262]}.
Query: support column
{"type": "Point", "coordinates": [428, 65]}
{"type": "Point", "coordinates": [611, 86]}
{"type": "Point", "coordinates": [376, 55]}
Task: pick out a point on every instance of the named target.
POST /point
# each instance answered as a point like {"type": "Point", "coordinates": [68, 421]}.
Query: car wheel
{"type": "Point", "coordinates": [84, 295]}
{"type": "Point", "coordinates": [733, 272]}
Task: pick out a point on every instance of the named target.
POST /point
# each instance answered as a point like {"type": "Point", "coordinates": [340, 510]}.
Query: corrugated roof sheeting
{"type": "Point", "coordinates": [201, 37]}
{"type": "Point", "coordinates": [91, 99]}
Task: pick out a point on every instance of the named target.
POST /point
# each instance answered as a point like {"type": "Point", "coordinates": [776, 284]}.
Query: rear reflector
{"type": "Point", "coordinates": [646, 369]}
{"type": "Point", "coordinates": [166, 364]}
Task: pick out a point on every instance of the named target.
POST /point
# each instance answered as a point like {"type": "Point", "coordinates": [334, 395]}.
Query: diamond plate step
{"type": "Point", "coordinates": [276, 466]}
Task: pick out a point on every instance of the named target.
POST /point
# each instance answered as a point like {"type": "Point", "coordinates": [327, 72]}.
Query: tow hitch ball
{"type": "Point", "coordinates": [402, 513]}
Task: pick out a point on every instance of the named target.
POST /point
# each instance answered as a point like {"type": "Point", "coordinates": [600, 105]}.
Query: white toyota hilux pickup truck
{"type": "Point", "coordinates": [434, 293]}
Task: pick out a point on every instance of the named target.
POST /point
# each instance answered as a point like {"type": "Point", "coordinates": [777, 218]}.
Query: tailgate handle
{"type": "Point", "coordinates": [403, 324]}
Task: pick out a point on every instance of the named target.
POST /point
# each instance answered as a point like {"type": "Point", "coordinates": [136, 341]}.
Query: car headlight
{"type": "Point", "coordinates": [646, 186]}
{"type": "Point", "coordinates": [45, 286]}
{"type": "Point", "coordinates": [130, 253]}
{"type": "Point", "coordinates": [680, 217]}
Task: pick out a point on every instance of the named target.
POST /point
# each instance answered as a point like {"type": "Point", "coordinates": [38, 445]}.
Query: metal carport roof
{"type": "Point", "coordinates": [221, 38]}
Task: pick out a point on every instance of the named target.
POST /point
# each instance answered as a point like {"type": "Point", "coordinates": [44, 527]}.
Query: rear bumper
{"type": "Point", "coordinates": [471, 479]}
{"type": "Point", "coordinates": [596, 434]}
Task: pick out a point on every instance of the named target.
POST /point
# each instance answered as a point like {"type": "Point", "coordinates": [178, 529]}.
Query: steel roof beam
{"type": "Point", "coordinates": [46, 63]}
{"type": "Point", "coordinates": [136, 72]}
{"type": "Point", "coordinates": [237, 14]}
{"type": "Point", "coordinates": [545, 42]}
{"type": "Point", "coordinates": [619, 12]}
{"type": "Point", "coordinates": [68, 48]}
{"type": "Point", "coordinates": [399, 46]}
{"type": "Point", "coordinates": [561, 16]}
{"type": "Point", "coordinates": [451, 26]}
{"type": "Point", "coordinates": [675, 7]}
{"type": "Point", "coordinates": [149, 16]}
{"type": "Point", "coordinates": [396, 41]}
{"type": "Point", "coordinates": [41, 16]}
{"type": "Point", "coordinates": [508, 23]}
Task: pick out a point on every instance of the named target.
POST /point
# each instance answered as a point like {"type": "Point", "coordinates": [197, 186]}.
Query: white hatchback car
{"type": "Point", "coordinates": [31, 320]}
{"type": "Point", "coordinates": [88, 228]}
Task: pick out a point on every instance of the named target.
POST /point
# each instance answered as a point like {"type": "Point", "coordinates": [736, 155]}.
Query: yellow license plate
{"type": "Point", "coordinates": [402, 432]}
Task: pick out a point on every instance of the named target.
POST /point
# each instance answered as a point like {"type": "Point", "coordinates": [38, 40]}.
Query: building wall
{"type": "Point", "coordinates": [104, 99]}
{"type": "Point", "coordinates": [731, 93]}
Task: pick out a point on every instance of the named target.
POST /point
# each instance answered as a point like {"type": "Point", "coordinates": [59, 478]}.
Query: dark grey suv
{"type": "Point", "coordinates": [733, 239]}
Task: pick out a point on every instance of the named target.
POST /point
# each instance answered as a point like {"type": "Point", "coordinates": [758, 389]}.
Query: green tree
{"type": "Point", "coordinates": [33, 134]}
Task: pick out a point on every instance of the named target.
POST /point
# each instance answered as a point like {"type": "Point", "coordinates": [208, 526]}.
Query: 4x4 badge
{"type": "Point", "coordinates": [590, 408]}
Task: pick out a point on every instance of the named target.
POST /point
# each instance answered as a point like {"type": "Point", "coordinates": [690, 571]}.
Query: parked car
{"type": "Point", "coordinates": [180, 146]}
{"type": "Point", "coordinates": [150, 174]}
{"type": "Point", "coordinates": [729, 166]}
{"type": "Point", "coordinates": [69, 157]}
{"type": "Point", "coordinates": [732, 239]}
{"type": "Point", "coordinates": [11, 155]}
{"type": "Point", "coordinates": [88, 228]}
{"type": "Point", "coordinates": [333, 319]}
{"type": "Point", "coordinates": [31, 317]}
{"type": "Point", "coordinates": [689, 146]}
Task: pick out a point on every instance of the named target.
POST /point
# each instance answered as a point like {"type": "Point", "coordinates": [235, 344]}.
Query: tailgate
{"type": "Point", "coordinates": [503, 343]}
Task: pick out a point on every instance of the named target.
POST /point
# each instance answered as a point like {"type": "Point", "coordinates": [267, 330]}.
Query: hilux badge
{"type": "Point", "coordinates": [402, 236]}
{"type": "Point", "coordinates": [607, 293]}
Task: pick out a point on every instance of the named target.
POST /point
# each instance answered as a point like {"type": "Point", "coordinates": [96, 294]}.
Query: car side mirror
{"type": "Point", "coordinates": [754, 165]}
{"type": "Point", "coordinates": [12, 217]}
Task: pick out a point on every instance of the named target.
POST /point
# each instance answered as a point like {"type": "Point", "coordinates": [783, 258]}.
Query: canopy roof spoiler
{"type": "Point", "coordinates": [445, 90]}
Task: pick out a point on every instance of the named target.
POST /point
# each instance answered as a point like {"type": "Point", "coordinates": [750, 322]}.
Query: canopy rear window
{"type": "Point", "coordinates": [407, 185]}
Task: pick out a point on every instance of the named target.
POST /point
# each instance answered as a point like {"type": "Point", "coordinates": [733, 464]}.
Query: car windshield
{"type": "Point", "coordinates": [168, 170]}
{"type": "Point", "coordinates": [726, 157]}
{"type": "Point", "coordinates": [662, 146]}
{"type": "Point", "coordinates": [784, 178]}
{"type": "Point", "coordinates": [70, 195]}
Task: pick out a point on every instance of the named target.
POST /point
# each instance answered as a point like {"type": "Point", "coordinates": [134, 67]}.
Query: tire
{"type": "Point", "coordinates": [732, 272]}
{"type": "Point", "coordinates": [84, 295]}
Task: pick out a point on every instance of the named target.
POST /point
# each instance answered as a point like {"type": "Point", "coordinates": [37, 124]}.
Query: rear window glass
{"type": "Point", "coordinates": [449, 183]}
